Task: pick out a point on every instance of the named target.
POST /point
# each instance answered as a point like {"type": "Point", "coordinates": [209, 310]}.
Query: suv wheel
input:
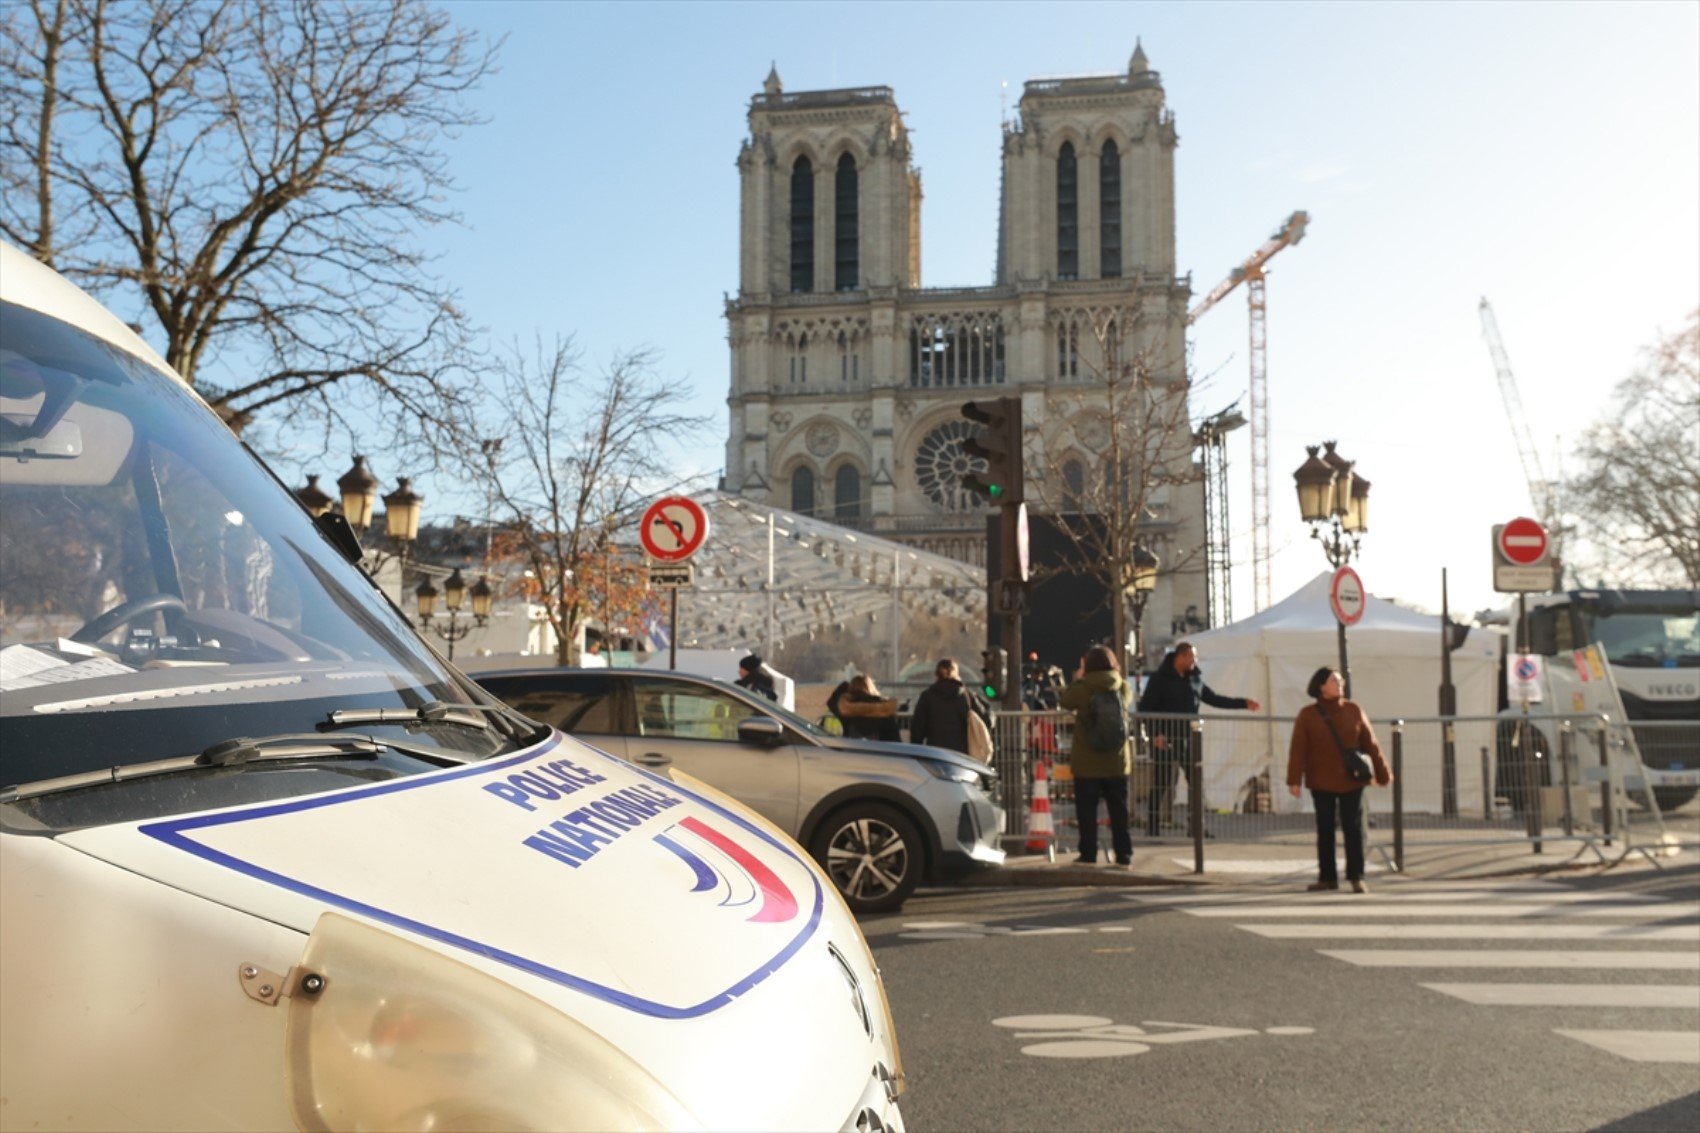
{"type": "Point", "coordinates": [872, 853]}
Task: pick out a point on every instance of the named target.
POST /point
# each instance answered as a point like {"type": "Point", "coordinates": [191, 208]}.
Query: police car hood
{"type": "Point", "coordinates": [636, 905]}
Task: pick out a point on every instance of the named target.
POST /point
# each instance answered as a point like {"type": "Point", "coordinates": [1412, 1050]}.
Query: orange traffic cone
{"type": "Point", "coordinates": [1041, 835]}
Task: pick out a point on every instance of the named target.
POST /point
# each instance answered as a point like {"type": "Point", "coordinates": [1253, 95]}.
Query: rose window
{"type": "Point", "coordinates": [941, 463]}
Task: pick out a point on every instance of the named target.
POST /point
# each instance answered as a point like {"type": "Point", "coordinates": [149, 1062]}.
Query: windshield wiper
{"type": "Point", "coordinates": [229, 753]}
{"type": "Point", "coordinates": [431, 712]}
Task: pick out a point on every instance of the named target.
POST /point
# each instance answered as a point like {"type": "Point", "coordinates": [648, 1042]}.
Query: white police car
{"type": "Point", "coordinates": [266, 860]}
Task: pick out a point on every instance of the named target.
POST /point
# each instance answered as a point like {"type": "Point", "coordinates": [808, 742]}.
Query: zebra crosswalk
{"type": "Point", "coordinates": [1614, 950]}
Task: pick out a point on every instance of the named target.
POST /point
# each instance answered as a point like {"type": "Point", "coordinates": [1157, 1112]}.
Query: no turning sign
{"type": "Point", "coordinates": [672, 529]}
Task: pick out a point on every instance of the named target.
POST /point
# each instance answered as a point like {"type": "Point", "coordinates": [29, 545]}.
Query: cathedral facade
{"type": "Point", "coordinates": [848, 376]}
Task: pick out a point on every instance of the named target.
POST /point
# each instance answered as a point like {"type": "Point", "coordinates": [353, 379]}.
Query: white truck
{"type": "Point", "coordinates": [1651, 643]}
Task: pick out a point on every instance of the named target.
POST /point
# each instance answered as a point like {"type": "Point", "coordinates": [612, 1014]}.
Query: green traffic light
{"type": "Point", "coordinates": [994, 490]}
{"type": "Point", "coordinates": [991, 692]}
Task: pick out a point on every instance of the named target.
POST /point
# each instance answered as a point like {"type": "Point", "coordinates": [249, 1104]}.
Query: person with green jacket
{"type": "Point", "coordinates": [1098, 774]}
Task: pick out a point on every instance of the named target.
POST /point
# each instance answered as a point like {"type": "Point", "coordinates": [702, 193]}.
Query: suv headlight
{"type": "Point", "coordinates": [401, 1037]}
{"type": "Point", "coordinates": [987, 781]}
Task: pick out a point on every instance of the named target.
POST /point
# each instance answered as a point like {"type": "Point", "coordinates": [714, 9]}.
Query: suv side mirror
{"type": "Point", "coordinates": [763, 731]}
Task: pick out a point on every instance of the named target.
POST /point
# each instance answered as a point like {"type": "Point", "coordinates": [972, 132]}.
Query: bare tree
{"type": "Point", "coordinates": [251, 176]}
{"type": "Point", "coordinates": [578, 453]}
{"type": "Point", "coordinates": [1122, 440]}
{"type": "Point", "coordinates": [1637, 496]}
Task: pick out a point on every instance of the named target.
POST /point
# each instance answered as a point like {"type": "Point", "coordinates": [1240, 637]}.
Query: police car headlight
{"type": "Point", "coordinates": [392, 1035]}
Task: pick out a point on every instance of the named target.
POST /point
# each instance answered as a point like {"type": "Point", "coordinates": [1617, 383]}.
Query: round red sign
{"type": "Point", "coordinates": [672, 528]}
{"type": "Point", "coordinates": [1346, 596]}
{"type": "Point", "coordinates": [1523, 542]}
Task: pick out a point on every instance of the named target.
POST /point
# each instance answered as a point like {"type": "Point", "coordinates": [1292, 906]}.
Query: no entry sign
{"type": "Point", "coordinates": [1522, 557]}
{"type": "Point", "coordinates": [1523, 542]}
{"type": "Point", "coordinates": [672, 529]}
{"type": "Point", "coordinates": [1346, 596]}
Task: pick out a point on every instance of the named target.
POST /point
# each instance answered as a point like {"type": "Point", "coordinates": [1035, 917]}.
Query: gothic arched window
{"type": "Point", "coordinates": [847, 493]}
{"type": "Point", "coordinates": [845, 218]}
{"type": "Point", "coordinates": [1110, 211]}
{"type": "Point", "coordinates": [803, 490]}
{"type": "Point", "coordinates": [1068, 220]}
{"type": "Point", "coordinates": [802, 225]}
{"type": "Point", "coordinates": [1074, 484]}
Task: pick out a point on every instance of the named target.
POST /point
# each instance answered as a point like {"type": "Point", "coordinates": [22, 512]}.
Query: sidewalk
{"type": "Point", "coordinates": [1429, 855]}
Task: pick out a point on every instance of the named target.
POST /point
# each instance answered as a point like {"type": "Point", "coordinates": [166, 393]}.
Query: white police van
{"type": "Point", "coordinates": [267, 861]}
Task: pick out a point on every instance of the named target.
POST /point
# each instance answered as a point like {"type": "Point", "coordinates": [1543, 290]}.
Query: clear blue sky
{"type": "Point", "coordinates": [1544, 155]}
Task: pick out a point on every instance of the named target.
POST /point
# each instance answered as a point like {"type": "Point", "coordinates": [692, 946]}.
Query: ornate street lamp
{"type": "Point", "coordinates": [401, 512]}
{"type": "Point", "coordinates": [359, 494]}
{"type": "Point", "coordinates": [313, 497]}
{"type": "Point", "coordinates": [1315, 481]}
{"type": "Point", "coordinates": [454, 594]}
{"type": "Point", "coordinates": [1334, 500]}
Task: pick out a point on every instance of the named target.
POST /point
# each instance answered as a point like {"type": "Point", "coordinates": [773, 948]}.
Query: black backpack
{"type": "Point", "coordinates": [1106, 722]}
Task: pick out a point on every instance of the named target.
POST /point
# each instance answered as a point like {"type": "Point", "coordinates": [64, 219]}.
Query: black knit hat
{"type": "Point", "coordinates": [752, 663]}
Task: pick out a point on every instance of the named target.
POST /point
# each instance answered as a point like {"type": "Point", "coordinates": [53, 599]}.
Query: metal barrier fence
{"type": "Point", "coordinates": [1575, 779]}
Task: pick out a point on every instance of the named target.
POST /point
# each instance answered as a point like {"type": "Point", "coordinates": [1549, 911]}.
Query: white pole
{"type": "Point", "coordinates": [770, 581]}
{"type": "Point", "coordinates": [896, 622]}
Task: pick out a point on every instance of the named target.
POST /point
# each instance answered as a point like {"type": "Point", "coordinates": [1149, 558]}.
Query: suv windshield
{"type": "Point", "coordinates": [160, 592]}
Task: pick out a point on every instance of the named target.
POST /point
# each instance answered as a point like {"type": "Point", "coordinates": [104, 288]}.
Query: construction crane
{"type": "Point", "coordinates": [1540, 488]}
{"type": "Point", "coordinates": [1251, 273]}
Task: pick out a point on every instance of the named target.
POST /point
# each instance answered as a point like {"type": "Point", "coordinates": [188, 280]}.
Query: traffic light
{"type": "Point", "coordinates": [998, 443]}
{"type": "Point", "coordinates": [994, 672]}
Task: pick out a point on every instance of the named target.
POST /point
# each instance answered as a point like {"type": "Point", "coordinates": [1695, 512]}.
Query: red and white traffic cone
{"type": "Point", "coordinates": [1041, 835]}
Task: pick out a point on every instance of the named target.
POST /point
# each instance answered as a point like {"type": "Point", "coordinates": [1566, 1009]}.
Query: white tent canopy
{"type": "Point", "coordinates": [1394, 654]}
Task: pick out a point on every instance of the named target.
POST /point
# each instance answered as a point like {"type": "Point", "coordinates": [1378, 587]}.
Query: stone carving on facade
{"type": "Point", "coordinates": [780, 420]}
{"type": "Point", "coordinates": [863, 418]}
{"type": "Point", "coordinates": [905, 409]}
{"type": "Point", "coordinates": [1093, 430]}
{"type": "Point", "coordinates": [822, 438]}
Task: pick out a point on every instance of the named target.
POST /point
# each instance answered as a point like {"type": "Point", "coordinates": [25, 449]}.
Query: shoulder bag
{"type": "Point", "coordinates": [979, 738]}
{"type": "Point", "coordinates": [1358, 766]}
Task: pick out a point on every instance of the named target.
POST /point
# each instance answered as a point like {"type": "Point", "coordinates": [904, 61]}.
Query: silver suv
{"type": "Point", "coordinates": [879, 817]}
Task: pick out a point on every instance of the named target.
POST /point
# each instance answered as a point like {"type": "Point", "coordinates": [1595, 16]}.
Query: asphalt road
{"type": "Point", "coordinates": [1160, 1009]}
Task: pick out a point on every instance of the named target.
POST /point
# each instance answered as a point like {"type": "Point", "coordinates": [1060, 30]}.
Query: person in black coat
{"type": "Point", "coordinates": [1177, 687]}
{"type": "Point", "coordinates": [753, 675]}
{"type": "Point", "coordinates": [941, 711]}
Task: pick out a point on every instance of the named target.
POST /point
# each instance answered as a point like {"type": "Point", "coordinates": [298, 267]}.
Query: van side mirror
{"type": "Point", "coordinates": [762, 731]}
{"type": "Point", "coordinates": [335, 527]}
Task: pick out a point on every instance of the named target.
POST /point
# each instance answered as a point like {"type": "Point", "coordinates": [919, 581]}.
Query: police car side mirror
{"type": "Point", "coordinates": [763, 731]}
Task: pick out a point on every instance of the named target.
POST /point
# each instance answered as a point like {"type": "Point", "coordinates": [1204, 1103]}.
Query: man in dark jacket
{"type": "Point", "coordinates": [1177, 687]}
{"type": "Point", "coordinates": [941, 711]}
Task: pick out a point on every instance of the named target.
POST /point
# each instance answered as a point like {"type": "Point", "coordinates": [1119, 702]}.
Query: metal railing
{"type": "Point", "coordinates": [1576, 779]}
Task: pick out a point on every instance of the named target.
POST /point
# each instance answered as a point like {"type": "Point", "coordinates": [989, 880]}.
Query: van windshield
{"type": "Point", "coordinates": [160, 592]}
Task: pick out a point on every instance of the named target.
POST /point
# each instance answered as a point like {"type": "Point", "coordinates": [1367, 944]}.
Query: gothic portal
{"type": "Point", "coordinates": [848, 376]}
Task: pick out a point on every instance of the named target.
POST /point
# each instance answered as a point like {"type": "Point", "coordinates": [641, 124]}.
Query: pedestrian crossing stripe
{"type": "Point", "coordinates": [1643, 1046]}
{"type": "Point", "coordinates": [1538, 911]}
{"type": "Point", "coordinates": [1683, 996]}
{"type": "Point", "coordinates": [1688, 934]}
{"type": "Point", "coordinates": [1514, 958]}
{"type": "Point", "coordinates": [1638, 910]}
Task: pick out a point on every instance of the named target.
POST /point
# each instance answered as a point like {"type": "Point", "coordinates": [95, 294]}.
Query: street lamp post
{"type": "Point", "coordinates": [1334, 500]}
{"type": "Point", "coordinates": [1145, 565]}
{"type": "Point", "coordinates": [314, 498]}
{"type": "Point", "coordinates": [454, 592]}
{"type": "Point", "coordinates": [359, 490]}
{"type": "Point", "coordinates": [401, 523]}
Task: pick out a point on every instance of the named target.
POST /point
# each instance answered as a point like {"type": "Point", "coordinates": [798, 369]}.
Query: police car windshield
{"type": "Point", "coordinates": [159, 590]}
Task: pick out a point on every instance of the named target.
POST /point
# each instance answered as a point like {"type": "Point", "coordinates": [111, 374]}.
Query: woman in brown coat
{"type": "Point", "coordinates": [1315, 760]}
